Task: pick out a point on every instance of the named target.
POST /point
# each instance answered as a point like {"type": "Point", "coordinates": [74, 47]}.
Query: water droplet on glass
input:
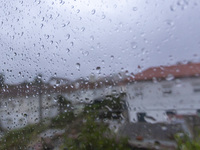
{"type": "Point", "coordinates": [78, 10]}
{"type": "Point", "coordinates": [169, 77]}
{"type": "Point", "coordinates": [93, 11]}
{"type": "Point", "coordinates": [170, 22]}
{"type": "Point", "coordinates": [135, 8]}
{"type": "Point", "coordinates": [172, 8]}
{"type": "Point", "coordinates": [72, 43]}
{"type": "Point", "coordinates": [86, 53]}
{"type": "Point", "coordinates": [68, 22]}
{"type": "Point", "coordinates": [103, 16]}
{"type": "Point", "coordinates": [63, 25]}
{"type": "Point", "coordinates": [78, 66]}
{"type": "Point", "coordinates": [91, 37]}
{"type": "Point", "coordinates": [67, 50]}
{"type": "Point", "coordinates": [133, 45]}
{"type": "Point", "coordinates": [83, 29]}
{"type": "Point", "coordinates": [98, 69]}
{"type": "Point", "coordinates": [67, 36]}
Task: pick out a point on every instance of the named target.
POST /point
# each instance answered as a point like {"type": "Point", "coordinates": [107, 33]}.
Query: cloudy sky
{"type": "Point", "coordinates": [75, 38]}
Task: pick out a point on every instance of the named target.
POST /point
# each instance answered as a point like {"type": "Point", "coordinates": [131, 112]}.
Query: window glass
{"type": "Point", "coordinates": [91, 74]}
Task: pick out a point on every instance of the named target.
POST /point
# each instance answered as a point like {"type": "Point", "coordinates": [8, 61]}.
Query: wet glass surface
{"type": "Point", "coordinates": [114, 74]}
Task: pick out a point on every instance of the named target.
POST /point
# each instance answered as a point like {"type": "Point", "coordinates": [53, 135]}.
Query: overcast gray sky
{"type": "Point", "coordinates": [72, 38]}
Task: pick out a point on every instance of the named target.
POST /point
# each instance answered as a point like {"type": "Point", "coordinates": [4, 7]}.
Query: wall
{"type": "Point", "coordinates": [155, 98]}
{"type": "Point", "coordinates": [20, 111]}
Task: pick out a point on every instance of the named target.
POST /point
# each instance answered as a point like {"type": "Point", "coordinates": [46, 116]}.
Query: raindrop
{"type": "Point", "coordinates": [58, 83]}
{"type": "Point", "coordinates": [91, 37]}
{"type": "Point", "coordinates": [72, 43]}
{"type": "Point", "coordinates": [169, 77]}
{"type": "Point", "coordinates": [47, 36]}
{"type": "Point", "coordinates": [61, 1]}
{"type": "Point", "coordinates": [78, 10]}
{"type": "Point", "coordinates": [83, 29]}
{"type": "Point", "coordinates": [170, 22]}
{"type": "Point", "coordinates": [78, 65]}
{"type": "Point", "coordinates": [63, 25]}
{"type": "Point", "coordinates": [67, 36]}
{"type": "Point", "coordinates": [68, 22]}
{"type": "Point", "coordinates": [172, 8]}
{"type": "Point", "coordinates": [133, 45]}
{"type": "Point", "coordinates": [86, 53]}
{"type": "Point", "coordinates": [93, 11]}
{"type": "Point", "coordinates": [103, 16]}
{"type": "Point", "coordinates": [98, 69]}
{"type": "Point", "coordinates": [135, 8]}
{"type": "Point", "coordinates": [38, 2]}
{"type": "Point", "coordinates": [67, 50]}
{"type": "Point", "coordinates": [182, 3]}
{"type": "Point", "coordinates": [92, 48]}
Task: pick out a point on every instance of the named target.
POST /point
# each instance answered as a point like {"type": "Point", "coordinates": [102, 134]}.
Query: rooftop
{"type": "Point", "coordinates": [168, 72]}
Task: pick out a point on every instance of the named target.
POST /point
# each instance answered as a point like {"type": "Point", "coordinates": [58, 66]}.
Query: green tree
{"type": "Point", "coordinates": [96, 136]}
{"type": "Point", "coordinates": [186, 143]}
{"type": "Point", "coordinates": [111, 107]}
{"type": "Point", "coordinates": [64, 104]}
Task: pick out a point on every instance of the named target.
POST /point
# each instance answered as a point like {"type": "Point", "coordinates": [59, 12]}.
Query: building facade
{"type": "Point", "coordinates": [153, 95]}
{"type": "Point", "coordinates": [158, 92]}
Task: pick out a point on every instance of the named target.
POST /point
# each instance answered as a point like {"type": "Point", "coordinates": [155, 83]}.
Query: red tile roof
{"type": "Point", "coordinates": [169, 72]}
{"type": "Point", "coordinates": [161, 72]}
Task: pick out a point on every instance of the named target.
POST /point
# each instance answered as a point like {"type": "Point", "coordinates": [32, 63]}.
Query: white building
{"type": "Point", "coordinates": [154, 95]}
{"type": "Point", "coordinates": [20, 105]}
{"type": "Point", "coordinates": [160, 92]}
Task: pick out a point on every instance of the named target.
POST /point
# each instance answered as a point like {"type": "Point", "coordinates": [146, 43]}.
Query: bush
{"type": "Point", "coordinates": [19, 138]}
{"type": "Point", "coordinates": [62, 120]}
{"type": "Point", "coordinates": [186, 143]}
{"type": "Point", "coordinates": [110, 107]}
{"type": "Point", "coordinates": [64, 104]}
{"type": "Point", "coordinates": [95, 136]}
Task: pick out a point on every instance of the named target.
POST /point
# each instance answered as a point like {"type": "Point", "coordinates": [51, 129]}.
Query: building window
{"type": "Point", "coordinates": [141, 116]}
{"type": "Point", "coordinates": [167, 90]}
{"type": "Point", "coordinates": [138, 92]}
{"type": "Point", "coordinates": [196, 88]}
{"type": "Point", "coordinates": [171, 114]}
